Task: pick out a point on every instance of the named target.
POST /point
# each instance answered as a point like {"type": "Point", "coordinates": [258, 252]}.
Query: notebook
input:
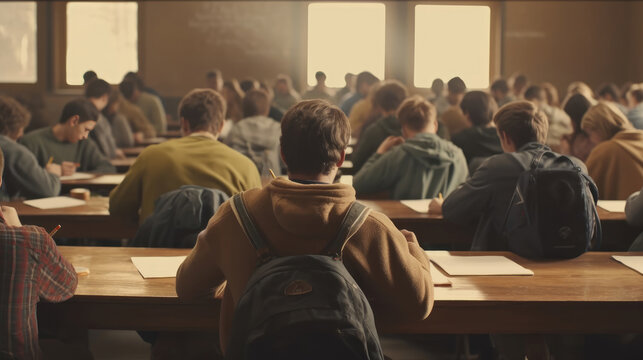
{"type": "Point", "coordinates": [77, 176]}
{"type": "Point", "coordinates": [151, 267]}
{"type": "Point", "coordinates": [421, 206]}
{"type": "Point", "coordinates": [477, 265]}
{"type": "Point", "coordinates": [633, 262]}
{"type": "Point", "coordinates": [612, 205]}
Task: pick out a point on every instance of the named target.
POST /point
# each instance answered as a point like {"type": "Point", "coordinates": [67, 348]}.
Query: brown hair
{"type": "Point", "coordinates": [522, 122]}
{"type": "Point", "coordinates": [389, 95]}
{"type": "Point", "coordinates": [552, 94]}
{"type": "Point", "coordinates": [480, 107]}
{"type": "Point", "coordinates": [203, 109]}
{"type": "Point", "coordinates": [605, 119]}
{"type": "Point", "coordinates": [636, 92]}
{"type": "Point", "coordinates": [313, 135]}
{"type": "Point", "coordinates": [416, 113]}
{"type": "Point", "coordinates": [256, 102]}
{"type": "Point", "coordinates": [13, 116]}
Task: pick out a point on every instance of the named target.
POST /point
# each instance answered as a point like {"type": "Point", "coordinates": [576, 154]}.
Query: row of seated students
{"type": "Point", "coordinates": [298, 215]}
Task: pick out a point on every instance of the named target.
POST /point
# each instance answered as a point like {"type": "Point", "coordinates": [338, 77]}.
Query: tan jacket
{"type": "Point", "coordinates": [302, 219]}
{"type": "Point", "coordinates": [454, 120]}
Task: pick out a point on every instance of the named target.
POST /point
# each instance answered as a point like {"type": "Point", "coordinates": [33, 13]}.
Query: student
{"type": "Point", "coordinates": [31, 270]}
{"type": "Point", "coordinates": [559, 122]}
{"type": "Point", "coordinates": [134, 115]}
{"type": "Point", "coordinates": [197, 158]}
{"type": "Point", "coordinates": [233, 96]}
{"type": "Point", "coordinates": [386, 100]}
{"type": "Point", "coordinates": [577, 143]}
{"type": "Point", "coordinates": [285, 95]}
{"type": "Point", "coordinates": [481, 140]}
{"type": "Point", "coordinates": [500, 92]}
{"type": "Point", "coordinates": [319, 91]}
{"type": "Point", "coordinates": [256, 135]}
{"type": "Point", "coordinates": [67, 142]}
{"type": "Point", "coordinates": [418, 165]}
{"type": "Point", "coordinates": [635, 115]}
{"type": "Point", "coordinates": [520, 83]}
{"type": "Point", "coordinates": [300, 215]}
{"type": "Point", "coordinates": [616, 162]}
{"type": "Point", "coordinates": [273, 113]}
{"type": "Point", "coordinates": [24, 177]}
{"type": "Point", "coordinates": [149, 103]}
{"type": "Point", "coordinates": [98, 92]}
{"type": "Point", "coordinates": [453, 118]}
{"type": "Point", "coordinates": [483, 199]}
{"type": "Point", "coordinates": [348, 89]}
{"type": "Point", "coordinates": [121, 130]}
{"type": "Point", "coordinates": [438, 99]}
{"type": "Point", "coordinates": [362, 88]}
{"type": "Point", "coordinates": [579, 87]}
{"type": "Point", "coordinates": [214, 80]}
{"type": "Point", "coordinates": [610, 93]}
{"type": "Point", "coordinates": [88, 76]}
{"type": "Point", "coordinates": [551, 93]}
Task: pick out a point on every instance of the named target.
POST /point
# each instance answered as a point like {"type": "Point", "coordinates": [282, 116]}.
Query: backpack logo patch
{"type": "Point", "coordinates": [298, 287]}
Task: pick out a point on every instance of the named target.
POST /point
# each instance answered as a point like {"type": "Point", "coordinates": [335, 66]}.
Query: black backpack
{"type": "Point", "coordinates": [304, 306]}
{"type": "Point", "coordinates": [552, 213]}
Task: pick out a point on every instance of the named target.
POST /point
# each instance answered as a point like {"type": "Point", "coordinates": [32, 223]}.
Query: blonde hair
{"type": "Point", "coordinates": [416, 113]}
{"type": "Point", "coordinates": [605, 119]}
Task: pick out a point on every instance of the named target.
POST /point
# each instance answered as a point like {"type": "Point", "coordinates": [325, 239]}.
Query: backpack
{"type": "Point", "coordinates": [552, 213]}
{"type": "Point", "coordinates": [303, 306]}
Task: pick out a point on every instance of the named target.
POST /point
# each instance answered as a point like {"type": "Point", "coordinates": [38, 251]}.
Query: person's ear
{"type": "Point", "coordinates": [74, 120]}
{"type": "Point", "coordinates": [185, 126]}
{"type": "Point", "coordinates": [220, 129]}
{"type": "Point", "coordinates": [341, 159]}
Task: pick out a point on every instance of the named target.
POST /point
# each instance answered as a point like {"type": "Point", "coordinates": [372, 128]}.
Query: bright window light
{"type": "Point", "coordinates": [452, 40]}
{"type": "Point", "coordinates": [18, 42]}
{"type": "Point", "coordinates": [101, 36]}
{"type": "Point", "coordinates": [346, 37]}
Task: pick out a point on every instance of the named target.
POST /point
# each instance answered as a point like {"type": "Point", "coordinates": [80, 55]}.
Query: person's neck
{"type": "Point", "coordinates": [388, 113]}
{"type": "Point", "coordinates": [203, 133]}
{"type": "Point", "coordinates": [59, 132]}
{"type": "Point", "coordinates": [323, 178]}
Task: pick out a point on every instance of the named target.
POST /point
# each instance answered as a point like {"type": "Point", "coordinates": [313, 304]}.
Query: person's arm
{"type": "Point", "coordinates": [93, 160]}
{"type": "Point", "coordinates": [634, 209]}
{"type": "Point", "coordinates": [57, 278]}
{"type": "Point", "coordinates": [122, 132]}
{"type": "Point", "coordinates": [158, 116]}
{"type": "Point", "coordinates": [467, 203]}
{"type": "Point", "coordinates": [125, 200]}
{"type": "Point", "coordinates": [381, 172]}
{"type": "Point", "coordinates": [392, 270]}
{"type": "Point", "coordinates": [33, 180]}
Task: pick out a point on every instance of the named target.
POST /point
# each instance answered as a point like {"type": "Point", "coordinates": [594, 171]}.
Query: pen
{"type": "Point", "coordinates": [51, 160]}
{"type": "Point", "coordinates": [272, 173]}
{"type": "Point", "coordinates": [440, 196]}
{"type": "Point", "coordinates": [54, 231]}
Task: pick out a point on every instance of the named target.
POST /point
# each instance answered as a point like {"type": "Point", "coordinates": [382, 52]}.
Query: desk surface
{"type": "Point", "coordinates": [133, 151]}
{"type": "Point", "coordinates": [592, 293]}
{"type": "Point", "coordinates": [123, 165]}
{"type": "Point", "coordinates": [104, 182]}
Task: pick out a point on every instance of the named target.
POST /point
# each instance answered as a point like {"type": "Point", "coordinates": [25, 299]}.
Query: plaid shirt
{"type": "Point", "coordinates": [31, 269]}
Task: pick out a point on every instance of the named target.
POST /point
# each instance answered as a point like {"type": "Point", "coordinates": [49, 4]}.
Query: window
{"type": "Point", "coordinates": [18, 42]}
{"type": "Point", "coordinates": [102, 37]}
{"type": "Point", "coordinates": [452, 40]}
{"type": "Point", "coordinates": [345, 38]}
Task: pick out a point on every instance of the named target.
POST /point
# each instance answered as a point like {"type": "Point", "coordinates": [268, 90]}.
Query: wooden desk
{"type": "Point", "coordinates": [589, 294]}
{"type": "Point", "coordinates": [123, 165]}
{"type": "Point", "coordinates": [133, 151]}
{"type": "Point", "coordinates": [171, 134]}
{"type": "Point", "coordinates": [91, 220]}
{"type": "Point", "coordinates": [101, 182]}
{"type": "Point", "coordinates": [153, 141]}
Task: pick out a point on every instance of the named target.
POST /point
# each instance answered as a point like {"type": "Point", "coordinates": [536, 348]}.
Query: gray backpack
{"type": "Point", "coordinates": [304, 306]}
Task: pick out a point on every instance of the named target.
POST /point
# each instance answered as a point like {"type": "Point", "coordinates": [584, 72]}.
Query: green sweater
{"type": "Point", "coordinates": [420, 168]}
{"type": "Point", "coordinates": [43, 144]}
{"type": "Point", "coordinates": [372, 137]}
{"type": "Point", "coordinates": [191, 160]}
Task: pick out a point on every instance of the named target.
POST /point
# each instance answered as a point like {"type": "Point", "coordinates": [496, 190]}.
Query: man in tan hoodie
{"type": "Point", "coordinates": [300, 215]}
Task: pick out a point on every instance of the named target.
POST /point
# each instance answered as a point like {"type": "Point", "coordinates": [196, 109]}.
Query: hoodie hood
{"type": "Point", "coordinates": [430, 150]}
{"type": "Point", "coordinates": [632, 142]}
{"type": "Point", "coordinates": [389, 124]}
{"type": "Point", "coordinates": [260, 131]}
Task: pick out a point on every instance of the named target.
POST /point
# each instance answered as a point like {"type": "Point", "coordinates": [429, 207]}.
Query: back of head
{"type": "Point", "coordinates": [500, 86]}
{"type": "Point", "coordinates": [83, 108]}
{"type": "Point", "coordinates": [456, 86]}
{"type": "Point", "coordinates": [576, 107]}
{"type": "Point", "coordinates": [314, 134]}
{"type": "Point", "coordinates": [609, 90]}
{"type": "Point", "coordinates": [320, 76]}
{"type": "Point", "coordinates": [636, 93]}
{"type": "Point", "coordinates": [203, 109]}
{"type": "Point", "coordinates": [366, 78]}
{"type": "Point", "coordinates": [97, 88]}
{"type": "Point", "coordinates": [256, 102]}
{"type": "Point", "coordinates": [249, 84]}
{"type": "Point", "coordinates": [520, 82]}
{"type": "Point", "coordinates": [89, 75]}
{"type": "Point", "coordinates": [416, 113]}
{"type": "Point", "coordinates": [214, 74]}
{"type": "Point", "coordinates": [390, 95]}
{"type": "Point", "coordinates": [128, 88]}
{"type": "Point", "coordinates": [479, 106]}
{"type": "Point", "coordinates": [437, 86]}
{"type": "Point", "coordinates": [135, 77]}
{"type": "Point", "coordinates": [522, 122]}
{"type": "Point", "coordinates": [535, 93]}
{"type": "Point", "coordinates": [551, 93]}
{"type": "Point", "coordinates": [605, 119]}
{"type": "Point", "coordinates": [579, 87]}
{"type": "Point", "coordinates": [13, 117]}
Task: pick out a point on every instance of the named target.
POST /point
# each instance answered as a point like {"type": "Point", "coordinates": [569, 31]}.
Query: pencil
{"type": "Point", "coordinates": [54, 231]}
{"type": "Point", "coordinates": [51, 160]}
{"type": "Point", "coordinates": [77, 165]}
{"type": "Point", "coordinates": [440, 196]}
{"type": "Point", "coordinates": [272, 173]}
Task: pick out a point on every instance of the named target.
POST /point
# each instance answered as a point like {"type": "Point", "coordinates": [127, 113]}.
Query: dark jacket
{"type": "Point", "coordinates": [478, 142]}
{"type": "Point", "coordinates": [372, 137]}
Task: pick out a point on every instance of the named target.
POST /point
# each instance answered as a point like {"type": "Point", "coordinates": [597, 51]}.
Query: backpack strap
{"type": "Point", "coordinates": [353, 220]}
{"type": "Point", "coordinates": [243, 217]}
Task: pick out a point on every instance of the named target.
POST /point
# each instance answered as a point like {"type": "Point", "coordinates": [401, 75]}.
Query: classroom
{"type": "Point", "coordinates": [253, 179]}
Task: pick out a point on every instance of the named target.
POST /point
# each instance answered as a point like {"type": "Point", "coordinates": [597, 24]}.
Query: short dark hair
{"type": "Point", "coordinates": [319, 75]}
{"type": "Point", "coordinates": [576, 107]}
{"type": "Point", "coordinates": [366, 77]}
{"type": "Point", "coordinates": [534, 92]}
{"type": "Point", "coordinates": [82, 107]}
{"type": "Point", "coordinates": [522, 122]}
{"type": "Point", "coordinates": [89, 75]}
{"type": "Point", "coordinates": [203, 109]}
{"type": "Point", "coordinates": [128, 87]}
{"type": "Point", "coordinates": [214, 73]}
{"type": "Point", "coordinates": [313, 135]}
{"type": "Point", "coordinates": [456, 86]}
{"type": "Point", "coordinates": [500, 85]}
{"type": "Point", "coordinates": [256, 102]}
{"type": "Point", "coordinates": [135, 77]}
{"type": "Point", "coordinates": [249, 84]}
{"type": "Point", "coordinates": [520, 81]}
{"type": "Point", "coordinates": [637, 94]}
{"type": "Point", "coordinates": [390, 95]}
{"type": "Point", "coordinates": [416, 113]}
{"type": "Point", "coordinates": [480, 107]}
{"type": "Point", "coordinates": [609, 89]}
{"type": "Point", "coordinates": [13, 116]}
{"type": "Point", "coordinates": [97, 88]}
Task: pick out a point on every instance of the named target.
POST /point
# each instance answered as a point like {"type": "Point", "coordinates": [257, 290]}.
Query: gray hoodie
{"type": "Point", "coordinates": [257, 137]}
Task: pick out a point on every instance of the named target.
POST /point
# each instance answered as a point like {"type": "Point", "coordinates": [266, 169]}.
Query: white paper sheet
{"type": "Point", "coordinates": [55, 202]}
{"type": "Point", "coordinates": [77, 176]}
{"type": "Point", "coordinates": [612, 205]}
{"type": "Point", "coordinates": [346, 179]}
{"type": "Point", "coordinates": [632, 262]}
{"type": "Point", "coordinates": [152, 267]}
{"type": "Point", "coordinates": [421, 206]}
{"type": "Point", "coordinates": [438, 277]}
{"type": "Point", "coordinates": [109, 179]}
{"type": "Point", "coordinates": [477, 265]}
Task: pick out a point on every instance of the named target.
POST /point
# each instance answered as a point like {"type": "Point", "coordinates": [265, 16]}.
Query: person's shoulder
{"type": "Point", "coordinates": [35, 135]}
{"type": "Point", "coordinates": [377, 222]}
{"type": "Point", "coordinates": [30, 235]}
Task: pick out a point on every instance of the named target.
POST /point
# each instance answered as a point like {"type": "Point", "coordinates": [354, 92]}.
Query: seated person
{"type": "Point", "coordinates": [616, 162]}
{"type": "Point", "coordinates": [386, 100]}
{"type": "Point", "coordinates": [197, 158]}
{"type": "Point", "coordinates": [149, 102]}
{"type": "Point", "coordinates": [577, 143]}
{"type": "Point", "coordinates": [320, 90]}
{"type": "Point", "coordinates": [98, 91]}
{"type": "Point", "coordinates": [482, 201]}
{"type": "Point", "coordinates": [300, 215]}
{"type": "Point", "coordinates": [256, 135]}
{"type": "Point", "coordinates": [123, 136]}
{"type": "Point", "coordinates": [31, 270]}
{"type": "Point", "coordinates": [418, 165]}
{"type": "Point", "coordinates": [365, 80]}
{"type": "Point", "coordinates": [24, 177]}
{"type": "Point", "coordinates": [481, 140]}
{"type": "Point", "coordinates": [635, 100]}
{"type": "Point", "coordinates": [134, 115]}
{"type": "Point", "coordinates": [67, 142]}
{"type": "Point", "coordinates": [453, 118]}
{"type": "Point", "coordinates": [500, 92]}
{"type": "Point", "coordinates": [559, 122]}
{"type": "Point", "coordinates": [285, 95]}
